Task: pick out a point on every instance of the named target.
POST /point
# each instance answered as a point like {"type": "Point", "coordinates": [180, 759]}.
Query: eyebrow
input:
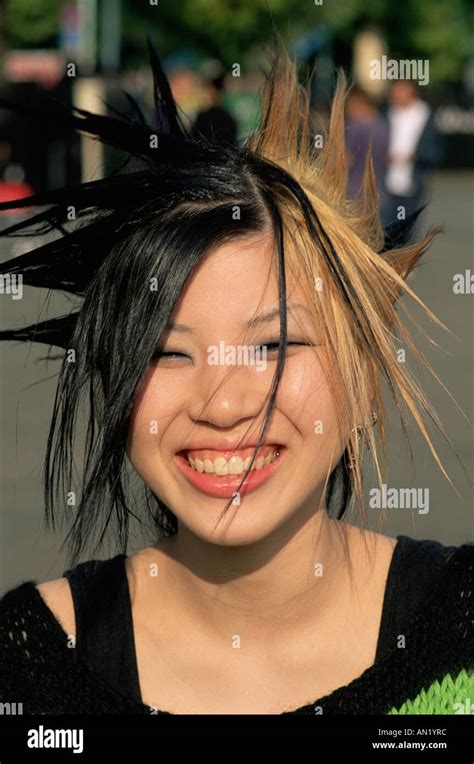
{"type": "Point", "coordinates": [263, 318]}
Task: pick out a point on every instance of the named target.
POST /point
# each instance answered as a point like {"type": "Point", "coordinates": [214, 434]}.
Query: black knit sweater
{"type": "Point", "coordinates": [40, 670]}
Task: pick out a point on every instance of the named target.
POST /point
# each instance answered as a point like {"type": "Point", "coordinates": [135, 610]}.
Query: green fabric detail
{"type": "Point", "coordinates": [450, 696]}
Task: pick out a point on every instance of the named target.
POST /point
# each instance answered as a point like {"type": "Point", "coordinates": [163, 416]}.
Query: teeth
{"type": "Point", "coordinates": [233, 466]}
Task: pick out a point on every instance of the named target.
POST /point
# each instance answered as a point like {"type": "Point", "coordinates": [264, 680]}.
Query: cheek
{"type": "Point", "coordinates": [307, 402]}
{"type": "Point", "coordinates": [305, 391]}
{"type": "Point", "coordinates": [154, 408]}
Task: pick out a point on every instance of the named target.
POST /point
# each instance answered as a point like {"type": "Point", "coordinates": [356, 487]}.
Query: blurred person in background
{"type": "Point", "coordinates": [414, 147]}
{"type": "Point", "coordinates": [214, 122]}
{"type": "Point", "coordinates": [365, 127]}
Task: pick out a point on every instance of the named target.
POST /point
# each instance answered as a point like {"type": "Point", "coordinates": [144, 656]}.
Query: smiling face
{"type": "Point", "coordinates": [208, 389]}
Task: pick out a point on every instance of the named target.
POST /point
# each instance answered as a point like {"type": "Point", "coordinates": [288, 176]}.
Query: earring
{"type": "Point", "coordinates": [358, 429]}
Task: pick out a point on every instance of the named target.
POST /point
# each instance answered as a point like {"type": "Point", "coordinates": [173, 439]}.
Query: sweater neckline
{"type": "Point", "coordinates": [382, 646]}
{"type": "Point", "coordinates": [339, 692]}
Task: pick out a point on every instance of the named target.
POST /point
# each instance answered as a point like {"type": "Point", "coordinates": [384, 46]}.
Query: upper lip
{"type": "Point", "coordinates": [225, 445]}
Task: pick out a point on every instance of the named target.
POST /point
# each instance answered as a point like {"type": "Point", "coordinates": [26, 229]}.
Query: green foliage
{"type": "Point", "coordinates": [32, 23]}
{"type": "Point", "coordinates": [230, 30]}
{"type": "Point", "coordinates": [445, 35]}
{"type": "Point", "coordinates": [236, 30]}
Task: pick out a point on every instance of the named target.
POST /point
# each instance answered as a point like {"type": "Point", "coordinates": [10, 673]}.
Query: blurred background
{"type": "Point", "coordinates": [419, 121]}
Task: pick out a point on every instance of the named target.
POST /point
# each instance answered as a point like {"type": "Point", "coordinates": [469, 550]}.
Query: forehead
{"type": "Point", "coordinates": [235, 281]}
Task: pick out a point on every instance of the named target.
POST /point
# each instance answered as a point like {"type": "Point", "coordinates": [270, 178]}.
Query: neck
{"type": "Point", "coordinates": [292, 582]}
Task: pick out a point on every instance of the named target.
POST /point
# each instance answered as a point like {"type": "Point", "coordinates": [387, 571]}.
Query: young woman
{"type": "Point", "coordinates": [238, 321]}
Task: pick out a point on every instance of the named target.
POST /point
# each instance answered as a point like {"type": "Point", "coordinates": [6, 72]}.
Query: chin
{"type": "Point", "coordinates": [237, 527]}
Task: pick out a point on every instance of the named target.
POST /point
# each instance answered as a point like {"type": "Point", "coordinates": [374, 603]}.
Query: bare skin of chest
{"type": "Point", "coordinates": [181, 671]}
{"type": "Point", "coordinates": [186, 677]}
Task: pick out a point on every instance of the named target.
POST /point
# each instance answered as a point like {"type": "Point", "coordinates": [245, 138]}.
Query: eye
{"type": "Point", "coordinates": [273, 346]}
{"type": "Point", "coordinates": [172, 356]}
{"type": "Point", "coordinates": [167, 355]}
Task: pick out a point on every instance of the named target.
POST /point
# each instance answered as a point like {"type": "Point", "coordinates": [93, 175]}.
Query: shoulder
{"type": "Point", "coordinates": [437, 557]}
{"type": "Point", "coordinates": [38, 662]}
{"type": "Point", "coordinates": [427, 553]}
{"type": "Point", "coordinates": [443, 569]}
{"type": "Point", "coordinates": [29, 603]}
{"type": "Point", "coordinates": [56, 594]}
{"type": "Point", "coordinates": [421, 571]}
{"type": "Point", "coordinates": [31, 639]}
{"type": "Point", "coordinates": [18, 601]}
{"type": "Point", "coordinates": [436, 581]}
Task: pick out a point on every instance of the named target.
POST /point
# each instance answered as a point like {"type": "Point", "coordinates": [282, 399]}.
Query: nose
{"type": "Point", "coordinates": [225, 397]}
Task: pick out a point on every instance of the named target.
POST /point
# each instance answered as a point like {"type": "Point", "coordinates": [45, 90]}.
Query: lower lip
{"type": "Point", "coordinates": [226, 485]}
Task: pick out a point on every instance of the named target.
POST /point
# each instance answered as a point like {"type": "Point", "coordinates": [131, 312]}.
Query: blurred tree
{"type": "Point", "coordinates": [434, 29]}
{"type": "Point", "coordinates": [32, 23]}
{"type": "Point", "coordinates": [234, 30]}
{"type": "Point", "coordinates": [230, 30]}
{"type": "Point", "coordinates": [445, 34]}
